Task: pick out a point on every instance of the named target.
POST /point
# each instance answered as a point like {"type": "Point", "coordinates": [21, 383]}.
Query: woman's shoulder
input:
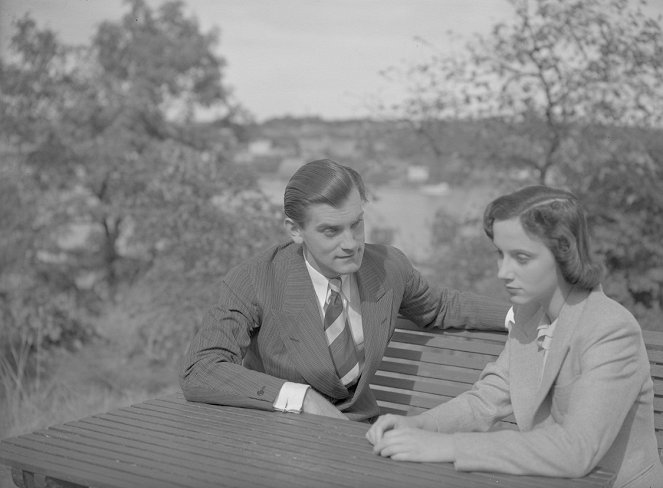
{"type": "Point", "coordinates": [604, 315]}
{"type": "Point", "coordinates": [603, 306]}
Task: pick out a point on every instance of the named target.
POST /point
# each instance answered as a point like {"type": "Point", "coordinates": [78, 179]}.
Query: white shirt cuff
{"type": "Point", "coordinates": [291, 397]}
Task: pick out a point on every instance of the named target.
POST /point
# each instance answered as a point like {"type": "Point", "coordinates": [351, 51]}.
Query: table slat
{"type": "Point", "coordinates": [169, 442]}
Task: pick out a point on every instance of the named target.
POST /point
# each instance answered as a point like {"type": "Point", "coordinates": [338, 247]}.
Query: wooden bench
{"type": "Point", "coordinates": [654, 343]}
{"type": "Point", "coordinates": [422, 369]}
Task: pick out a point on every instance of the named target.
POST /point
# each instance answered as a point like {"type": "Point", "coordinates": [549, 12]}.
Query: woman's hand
{"type": "Point", "coordinates": [389, 422]}
{"type": "Point", "coordinates": [412, 444]}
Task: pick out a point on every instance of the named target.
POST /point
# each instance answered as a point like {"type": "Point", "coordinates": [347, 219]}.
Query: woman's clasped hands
{"type": "Point", "coordinates": [405, 439]}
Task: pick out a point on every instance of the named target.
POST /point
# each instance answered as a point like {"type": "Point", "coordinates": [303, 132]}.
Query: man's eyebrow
{"type": "Point", "coordinates": [359, 218]}
{"type": "Point", "coordinates": [325, 225]}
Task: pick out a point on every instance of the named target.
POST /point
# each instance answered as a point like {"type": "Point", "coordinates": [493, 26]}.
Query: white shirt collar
{"type": "Point", "coordinates": [510, 320]}
{"type": "Point", "coordinates": [545, 333]}
{"type": "Point", "coordinates": [321, 284]}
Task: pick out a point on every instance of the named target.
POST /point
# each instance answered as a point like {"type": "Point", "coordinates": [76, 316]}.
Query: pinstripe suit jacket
{"type": "Point", "coordinates": [266, 328]}
{"type": "Point", "coordinates": [592, 405]}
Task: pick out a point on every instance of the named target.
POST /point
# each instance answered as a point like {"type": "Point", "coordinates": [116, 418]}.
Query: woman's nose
{"type": "Point", "coordinates": [504, 270]}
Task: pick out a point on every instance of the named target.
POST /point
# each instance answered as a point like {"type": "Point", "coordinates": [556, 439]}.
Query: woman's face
{"type": "Point", "coordinates": [525, 265]}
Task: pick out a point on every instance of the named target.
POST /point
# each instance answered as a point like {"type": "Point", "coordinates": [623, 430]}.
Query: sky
{"type": "Point", "coordinates": [298, 57]}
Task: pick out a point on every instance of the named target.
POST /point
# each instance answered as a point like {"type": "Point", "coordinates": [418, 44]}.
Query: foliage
{"type": "Point", "coordinates": [537, 82]}
{"type": "Point", "coordinates": [568, 94]}
{"type": "Point", "coordinates": [38, 303]}
{"type": "Point", "coordinates": [119, 163]}
{"type": "Point", "coordinates": [623, 195]}
{"type": "Point", "coordinates": [465, 255]}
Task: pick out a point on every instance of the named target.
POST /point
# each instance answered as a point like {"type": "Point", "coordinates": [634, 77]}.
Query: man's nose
{"type": "Point", "coordinates": [350, 240]}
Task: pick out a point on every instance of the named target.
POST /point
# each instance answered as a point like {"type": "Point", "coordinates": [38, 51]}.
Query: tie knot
{"type": "Point", "coordinates": [335, 284]}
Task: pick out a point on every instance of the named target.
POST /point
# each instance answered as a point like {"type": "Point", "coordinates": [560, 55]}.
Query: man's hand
{"type": "Point", "coordinates": [315, 403]}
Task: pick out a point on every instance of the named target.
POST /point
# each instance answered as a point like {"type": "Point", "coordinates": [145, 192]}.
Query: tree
{"type": "Point", "coordinates": [31, 85]}
{"type": "Point", "coordinates": [570, 93]}
{"type": "Point", "coordinates": [131, 138]}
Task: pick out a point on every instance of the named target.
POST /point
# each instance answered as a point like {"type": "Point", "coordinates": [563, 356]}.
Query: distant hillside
{"type": "Point", "coordinates": [381, 150]}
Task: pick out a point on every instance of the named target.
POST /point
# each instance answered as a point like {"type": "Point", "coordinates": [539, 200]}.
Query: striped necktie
{"type": "Point", "coordinates": [339, 336]}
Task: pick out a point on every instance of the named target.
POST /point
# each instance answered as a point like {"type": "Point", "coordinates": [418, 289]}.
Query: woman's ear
{"type": "Point", "coordinates": [294, 230]}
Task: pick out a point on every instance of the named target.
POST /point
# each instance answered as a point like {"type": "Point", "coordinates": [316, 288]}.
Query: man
{"type": "Point", "coordinates": [304, 325]}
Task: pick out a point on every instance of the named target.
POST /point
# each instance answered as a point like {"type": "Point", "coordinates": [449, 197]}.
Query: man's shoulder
{"type": "Point", "coordinates": [265, 266]}
{"type": "Point", "coordinates": [276, 255]}
{"type": "Point", "coordinates": [384, 253]}
{"type": "Point", "coordinates": [388, 262]}
{"type": "Point", "coordinates": [283, 250]}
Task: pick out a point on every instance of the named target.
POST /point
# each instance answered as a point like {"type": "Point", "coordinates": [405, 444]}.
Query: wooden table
{"type": "Point", "coordinates": [169, 442]}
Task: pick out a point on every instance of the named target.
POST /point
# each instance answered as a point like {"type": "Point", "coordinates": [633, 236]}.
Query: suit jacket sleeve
{"type": "Point", "coordinates": [432, 306]}
{"type": "Point", "coordinates": [212, 370]}
{"type": "Point", "coordinates": [481, 407]}
{"type": "Point", "coordinates": [571, 443]}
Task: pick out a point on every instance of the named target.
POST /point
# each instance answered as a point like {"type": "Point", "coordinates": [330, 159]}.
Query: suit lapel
{"type": "Point", "coordinates": [528, 394]}
{"type": "Point", "coordinates": [376, 315]}
{"type": "Point", "coordinates": [302, 331]}
{"type": "Point", "coordinates": [525, 366]}
{"type": "Point", "coordinates": [303, 334]}
{"type": "Point", "coordinates": [567, 322]}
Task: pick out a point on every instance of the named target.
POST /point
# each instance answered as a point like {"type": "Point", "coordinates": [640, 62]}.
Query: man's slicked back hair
{"type": "Point", "coordinates": [320, 181]}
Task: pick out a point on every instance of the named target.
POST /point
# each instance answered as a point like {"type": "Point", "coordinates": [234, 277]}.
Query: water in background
{"type": "Point", "coordinates": [404, 214]}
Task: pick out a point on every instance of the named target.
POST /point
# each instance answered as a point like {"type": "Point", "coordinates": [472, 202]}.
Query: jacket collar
{"type": "Point", "coordinates": [303, 329]}
{"type": "Point", "coordinates": [376, 305]}
{"type": "Point", "coordinates": [529, 393]}
{"type": "Point", "coordinates": [567, 322]}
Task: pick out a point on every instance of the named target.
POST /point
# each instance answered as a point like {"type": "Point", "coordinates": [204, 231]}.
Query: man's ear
{"type": "Point", "coordinates": [294, 230]}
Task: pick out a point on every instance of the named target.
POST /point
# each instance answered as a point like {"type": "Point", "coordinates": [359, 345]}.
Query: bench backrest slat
{"type": "Point", "coordinates": [654, 344]}
{"type": "Point", "coordinates": [425, 367]}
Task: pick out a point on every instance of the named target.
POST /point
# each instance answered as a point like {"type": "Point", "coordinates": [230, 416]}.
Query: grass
{"type": "Point", "coordinates": [54, 403]}
{"type": "Point", "coordinates": [44, 388]}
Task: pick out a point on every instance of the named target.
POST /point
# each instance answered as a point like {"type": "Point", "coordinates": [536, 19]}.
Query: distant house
{"type": "Point", "coordinates": [261, 147]}
{"type": "Point", "coordinates": [265, 154]}
{"type": "Point", "coordinates": [436, 190]}
{"type": "Point", "coordinates": [317, 146]}
{"type": "Point", "coordinates": [255, 149]}
{"type": "Point", "coordinates": [417, 174]}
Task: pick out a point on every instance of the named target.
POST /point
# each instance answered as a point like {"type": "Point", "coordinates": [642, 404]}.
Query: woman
{"type": "Point", "coordinates": [574, 371]}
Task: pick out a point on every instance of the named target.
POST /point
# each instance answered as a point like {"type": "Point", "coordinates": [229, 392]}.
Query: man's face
{"type": "Point", "coordinates": [333, 238]}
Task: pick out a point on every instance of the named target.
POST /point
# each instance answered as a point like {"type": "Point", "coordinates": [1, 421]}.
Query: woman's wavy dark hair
{"type": "Point", "coordinates": [557, 218]}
